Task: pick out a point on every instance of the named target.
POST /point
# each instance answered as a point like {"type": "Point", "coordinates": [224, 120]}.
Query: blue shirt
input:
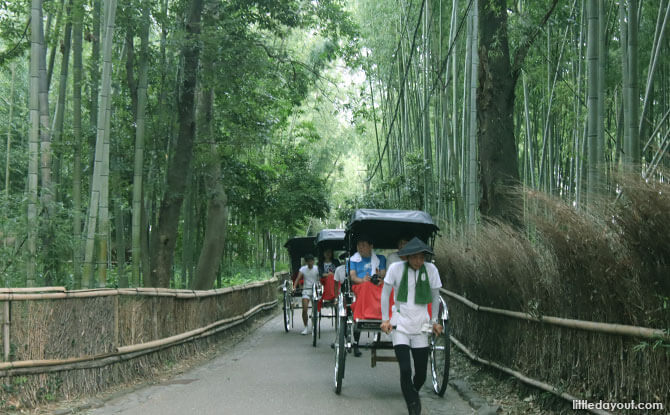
{"type": "Point", "coordinates": [363, 267]}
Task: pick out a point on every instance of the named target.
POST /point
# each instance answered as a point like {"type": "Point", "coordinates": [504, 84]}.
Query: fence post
{"type": "Point", "coordinates": [155, 317]}
{"type": "Point", "coordinates": [116, 321]}
{"type": "Point", "coordinates": [5, 330]}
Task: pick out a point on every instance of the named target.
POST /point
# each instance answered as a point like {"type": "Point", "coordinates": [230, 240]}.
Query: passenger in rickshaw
{"type": "Point", "coordinates": [394, 257]}
{"type": "Point", "coordinates": [310, 276]}
{"type": "Point", "coordinates": [327, 264]}
{"type": "Point", "coordinates": [415, 284]}
{"type": "Point", "coordinates": [340, 273]}
{"type": "Point", "coordinates": [365, 266]}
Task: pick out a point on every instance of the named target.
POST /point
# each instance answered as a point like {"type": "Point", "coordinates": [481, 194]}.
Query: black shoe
{"type": "Point", "coordinates": [414, 408]}
{"type": "Point", "coordinates": [332, 345]}
{"type": "Point", "coordinates": [357, 352]}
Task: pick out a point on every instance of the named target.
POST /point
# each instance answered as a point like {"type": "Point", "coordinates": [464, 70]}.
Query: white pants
{"type": "Point", "coordinates": [412, 340]}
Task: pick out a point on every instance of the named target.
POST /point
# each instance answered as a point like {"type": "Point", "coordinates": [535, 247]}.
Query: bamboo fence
{"type": "Point", "coordinates": [137, 313]}
{"type": "Point", "coordinates": [535, 350]}
{"type": "Point", "coordinates": [617, 329]}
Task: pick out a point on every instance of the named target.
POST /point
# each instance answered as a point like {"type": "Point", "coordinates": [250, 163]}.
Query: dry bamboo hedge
{"type": "Point", "coordinates": [63, 343]}
{"type": "Point", "coordinates": [591, 364]}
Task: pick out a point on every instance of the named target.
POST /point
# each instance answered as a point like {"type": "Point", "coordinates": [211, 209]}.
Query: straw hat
{"type": "Point", "coordinates": [415, 246]}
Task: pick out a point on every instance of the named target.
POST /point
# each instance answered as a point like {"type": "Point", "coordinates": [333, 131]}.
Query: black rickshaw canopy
{"type": "Point", "coordinates": [386, 226]}
{"type": "Point", "coordinates": [297, 248]}
{"type": "Point", "coordinates": [331, 239]}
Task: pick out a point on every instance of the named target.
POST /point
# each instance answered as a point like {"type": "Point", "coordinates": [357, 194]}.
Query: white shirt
{"type": "Point", "coordinates": [409, 317]}
{"type": "Point", "coordinates": [341, 273]}
{"type": "Point", "coordinates": [393, 258]}
{"type": "Point", "coordinates": [311, 276]}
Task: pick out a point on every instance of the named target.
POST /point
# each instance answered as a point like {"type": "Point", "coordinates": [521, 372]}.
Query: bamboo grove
{"type": "Point", "coordinates": [146, 140]}
{"type": "Point", "coordinates": [475, 96]}
{"type": "Point", "coordinates": [180, 142]}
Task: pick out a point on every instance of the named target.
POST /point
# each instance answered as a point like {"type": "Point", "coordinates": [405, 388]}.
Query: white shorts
{"type": "Point", "coordinates": [307, 293]}
{"type": "Point", "coordinates": [415, 341]}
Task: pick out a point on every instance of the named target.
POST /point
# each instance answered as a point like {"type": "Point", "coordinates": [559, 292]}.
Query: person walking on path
{"type": "Point", "coordinates": [310, 275]}
{"type": "Point", "coordinates": [415, 283]}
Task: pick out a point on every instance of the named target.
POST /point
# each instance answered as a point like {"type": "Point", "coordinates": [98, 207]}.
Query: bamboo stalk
{"type": "Point", "coordinates": [617, 329]}
{"type": "Point", "coordinates": [536, 383]}
{"type": "Point", "coordinates": [125, 352]}
{"type": "Point", "coordinates": [31, 290]}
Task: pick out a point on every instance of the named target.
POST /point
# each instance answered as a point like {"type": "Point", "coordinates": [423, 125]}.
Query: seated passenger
{"type": "Point", "coordinates": [340, 273]}
{"type": "Point", "coordinates": [394, 257]}
{"type": "Point", "coordinates": [327, 264]}
{"type": "Point", "coordinates": [365, 264]}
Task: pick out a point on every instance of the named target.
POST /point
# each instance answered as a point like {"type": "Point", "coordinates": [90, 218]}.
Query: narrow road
{"type": "Point", "coordinates": [273, 372]}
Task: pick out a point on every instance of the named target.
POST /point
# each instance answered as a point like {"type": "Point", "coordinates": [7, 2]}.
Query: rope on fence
{"type": "Point", "coordinates": [618, 329]}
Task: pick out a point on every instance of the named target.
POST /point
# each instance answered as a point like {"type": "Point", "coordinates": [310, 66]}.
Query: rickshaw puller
{"type": "Point", "coordinates": [310, 275]}
{"type": "Point", "coordinates": [416, 283]}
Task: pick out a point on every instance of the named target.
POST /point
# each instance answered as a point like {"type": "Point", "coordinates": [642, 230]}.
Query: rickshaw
{"type": "Point", "coordinates": [386, 227]}
{"type": "Point", "coordinates": [297, 248]}
{"type": "Point", "coordinates": [323, 294]}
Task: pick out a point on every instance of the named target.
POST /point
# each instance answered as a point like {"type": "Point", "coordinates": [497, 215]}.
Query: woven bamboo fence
{"type": "Point", "coordinates": [573, 359]}
{"type": "Point", "coordinates": [58, 344]}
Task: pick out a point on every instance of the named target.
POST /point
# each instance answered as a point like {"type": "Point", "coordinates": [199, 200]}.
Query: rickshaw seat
{"type": "Point", "coordinates": [329, 294]}
{"type": "Point", "coordinates": [368, 304]}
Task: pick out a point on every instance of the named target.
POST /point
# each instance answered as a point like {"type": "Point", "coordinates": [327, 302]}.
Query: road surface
{"type": "Point", "coordinates": [273, 372]}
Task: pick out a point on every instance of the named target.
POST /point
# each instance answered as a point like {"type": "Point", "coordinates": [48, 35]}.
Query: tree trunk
{"type": "Point", "coordinates": [495, 109]}
{"type": "Point", "coordinates": [166, 235]}
{"type": "Point", "coordinates": [62, 94]}
{"type": "Point", "coordinates": [209, 261]}
{"type": "Point", "coordinates": [46, 188]}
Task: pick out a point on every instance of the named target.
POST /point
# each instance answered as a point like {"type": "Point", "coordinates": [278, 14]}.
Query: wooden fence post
{"type": "Point", "coordinates": [5, 330]}
{"type": "Point", "coordinates": [116, 322]}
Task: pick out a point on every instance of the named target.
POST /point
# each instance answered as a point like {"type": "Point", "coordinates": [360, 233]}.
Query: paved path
{"type": "Point", "coordinates": [273, 372]}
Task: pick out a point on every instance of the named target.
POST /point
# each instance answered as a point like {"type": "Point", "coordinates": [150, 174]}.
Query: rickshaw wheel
{"type": "Point", "coordinates": [440, 356]}
{"type": "Point", "coordinates": [314, 316]}
{"type": "Point", "coordinates": [287, 310]}
{"type": "Point", "coordinates": [340, 354]}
